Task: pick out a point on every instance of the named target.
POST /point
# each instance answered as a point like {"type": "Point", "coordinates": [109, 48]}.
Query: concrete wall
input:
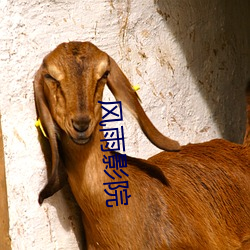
{"type": "Point", "coordinates": [191, 59]}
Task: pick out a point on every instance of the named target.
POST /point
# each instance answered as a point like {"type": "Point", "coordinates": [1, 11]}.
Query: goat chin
{"type": "Point", "coordinates": [80, 141]}
{"type": "Point", "coordinates": [190, 197]}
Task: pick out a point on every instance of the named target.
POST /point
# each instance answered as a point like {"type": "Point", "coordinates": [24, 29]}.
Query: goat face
{"type": "Point", "coordinates": [69, 84]}
{"type": "Point", "coordinates": [74, 77]}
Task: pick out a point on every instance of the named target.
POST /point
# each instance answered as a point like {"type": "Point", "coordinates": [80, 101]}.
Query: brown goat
{"type": "Point", "coordinates": [197, 198]}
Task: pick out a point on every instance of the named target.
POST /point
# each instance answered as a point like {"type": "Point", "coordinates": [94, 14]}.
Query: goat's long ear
{"type": "Point", "coordinates": [58, 174]}
{"type": "Point", "coordinates": [123, 91]}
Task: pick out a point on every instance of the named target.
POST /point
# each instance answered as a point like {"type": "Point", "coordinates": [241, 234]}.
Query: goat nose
{"type": "Point", "coordinates": [81, 124]}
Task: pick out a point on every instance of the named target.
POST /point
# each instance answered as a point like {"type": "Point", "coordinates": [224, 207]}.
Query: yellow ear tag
{"type": "Point", "coordinates": [39, 124]}
{"type": "Point", "coordinates": [135, 88]}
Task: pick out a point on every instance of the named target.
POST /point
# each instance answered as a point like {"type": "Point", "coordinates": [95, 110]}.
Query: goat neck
{"type": "Point", "coordinates": [84, 165]}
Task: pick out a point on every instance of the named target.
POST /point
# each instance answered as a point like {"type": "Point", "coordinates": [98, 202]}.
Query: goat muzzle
{"type": "Point", "coordinates": [80, 125]}
{"type": "Point", "coordinates": [80, 129]}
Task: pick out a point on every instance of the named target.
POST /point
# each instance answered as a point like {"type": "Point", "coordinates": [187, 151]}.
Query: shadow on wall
{"type": "Point", "coordinates": [215, 38]}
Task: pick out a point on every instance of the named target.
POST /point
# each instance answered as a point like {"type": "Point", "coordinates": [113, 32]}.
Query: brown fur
{"type": "Point", "coordinates": [197, 198]}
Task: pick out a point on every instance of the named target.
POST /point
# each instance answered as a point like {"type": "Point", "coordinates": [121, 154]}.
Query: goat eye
{"type": "Point", "coordinates": [52, 79]}
{"type": "Point", "coordinates": [48, 76]}
{"type": "Point", "coordinates": [105, 75]}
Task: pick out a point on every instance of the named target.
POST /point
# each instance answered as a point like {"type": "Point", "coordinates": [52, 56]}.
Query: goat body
{"type": "Point", "coordinates": [195, 198]}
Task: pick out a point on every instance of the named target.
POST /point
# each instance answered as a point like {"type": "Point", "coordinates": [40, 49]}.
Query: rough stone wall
{"type": "Point", "coordinates": [191, 59]}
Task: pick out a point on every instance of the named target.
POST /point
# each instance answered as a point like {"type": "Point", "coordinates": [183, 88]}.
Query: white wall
{"type": "Point", "coordinates": [191, 60]}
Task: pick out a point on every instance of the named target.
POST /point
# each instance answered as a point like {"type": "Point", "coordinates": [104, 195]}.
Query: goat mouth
{"type": "Point", "coordinates": [79, 138]}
